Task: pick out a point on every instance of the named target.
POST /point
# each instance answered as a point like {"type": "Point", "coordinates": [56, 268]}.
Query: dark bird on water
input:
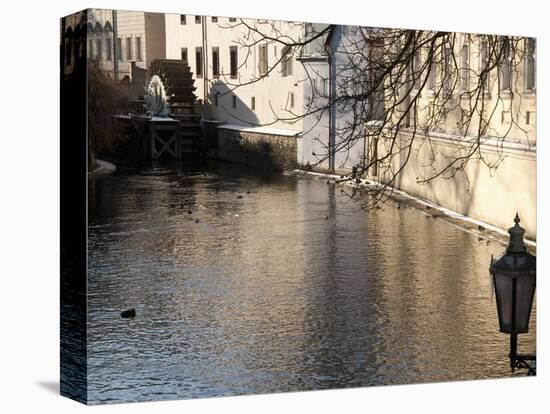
{"type": "Point", "coordinates": [197, 221]}
{"type": "Point", "coordinates": [248, 192]}
{"type": "Point", "coordinates": [189, 212]}
{"type": "Point", "coordinates": [240, 196]}
{"type": "Point", "coordinates": [129, 313]}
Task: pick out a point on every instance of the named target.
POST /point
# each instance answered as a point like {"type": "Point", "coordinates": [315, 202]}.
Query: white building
{"type": "Point", "coordinates": [326, 142]}
{"type": "Point", "coordinates": [246, 80]}
{"type": "Point", "coordinates": [134, 37]}
{"type": "Point", "coordinates": [222, 54]}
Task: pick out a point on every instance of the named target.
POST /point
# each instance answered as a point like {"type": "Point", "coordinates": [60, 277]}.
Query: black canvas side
{"type": "Point", "coordinates": [73, 148]}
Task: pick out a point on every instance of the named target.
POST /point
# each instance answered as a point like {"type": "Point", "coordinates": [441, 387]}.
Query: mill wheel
{"type": "Point", "coordinates": [178, 83]}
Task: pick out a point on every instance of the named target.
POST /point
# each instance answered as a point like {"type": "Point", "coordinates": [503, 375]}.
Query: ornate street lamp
{"type": "Point", "coordinates": [514, 278]}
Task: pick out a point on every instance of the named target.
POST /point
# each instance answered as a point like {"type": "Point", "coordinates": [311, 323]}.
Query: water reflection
{"type": "Point", "coordinates": [247, 283]}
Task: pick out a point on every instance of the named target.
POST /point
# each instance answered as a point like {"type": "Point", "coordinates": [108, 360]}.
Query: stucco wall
{"type": "Point", "coordinates": [272, 94]}
{"type": "Point", "coordinates": [156, 37]}
{"type": "Point", "coordinates": [492, 196]}
{"type": "Point", "coordinates": [275, 152]}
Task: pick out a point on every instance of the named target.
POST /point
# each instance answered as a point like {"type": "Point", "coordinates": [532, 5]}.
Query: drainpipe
{"type": "Point", "coordinates": [115, 53]}
{"type": "Point", "coordinates": [204, 60]}
{"type": "Point", "coordinates": [332, 111]}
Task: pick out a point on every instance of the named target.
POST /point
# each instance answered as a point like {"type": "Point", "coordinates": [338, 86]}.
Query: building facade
{"type": "Point", "coordinates": [115, 39]}
{"type": "Point", "coordinates": [456, 127]}
{"type": "Point", "coordinates": [239, 74]}
{"type": "Point", "coordinates": [248, 77]}
{"type": "Point", "coordinates": [489, 118]}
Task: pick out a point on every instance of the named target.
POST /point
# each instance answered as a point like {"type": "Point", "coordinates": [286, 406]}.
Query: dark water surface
{"type": "Point", "coordinates": [264, 294]}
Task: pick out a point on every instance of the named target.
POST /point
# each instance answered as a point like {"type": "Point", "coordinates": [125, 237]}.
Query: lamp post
{"type": "Point", "coordinates": [514, 276]}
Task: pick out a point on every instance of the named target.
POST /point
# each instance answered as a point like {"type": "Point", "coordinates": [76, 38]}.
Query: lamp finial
{"type": "Point", "coordinates": [516, 237]}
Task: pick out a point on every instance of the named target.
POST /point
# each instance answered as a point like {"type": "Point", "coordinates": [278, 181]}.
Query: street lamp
{"type": "Point", "coordinates": [514, 278]}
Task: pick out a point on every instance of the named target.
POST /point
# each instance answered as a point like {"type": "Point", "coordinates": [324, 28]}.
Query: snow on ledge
{"type": "Point", "coordinates": [261, 130]}
{"type": "Point", "coordinates": [147, 118]}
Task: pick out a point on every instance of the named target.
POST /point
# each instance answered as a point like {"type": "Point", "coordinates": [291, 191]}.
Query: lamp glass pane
{"type": "Point", "coordinates": [525, 287]}
{"type": "Point", "coordinates": [503, 291]}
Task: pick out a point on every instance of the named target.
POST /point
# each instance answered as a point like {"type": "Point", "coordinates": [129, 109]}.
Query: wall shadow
{"type": "Point", "coordinates": [223, 104]}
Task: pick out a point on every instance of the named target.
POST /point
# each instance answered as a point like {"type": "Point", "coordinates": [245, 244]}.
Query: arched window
{"type": "Point", "coordinates": [98, 29]}
{"type": "Point", "coordinates": [77, 48]}
{"type": "Point", "coordinates": [68, 45]}
{"type": "Point", "coordinates": [530, 64]}
{"type": "Point", "coordinates": [108, 41]}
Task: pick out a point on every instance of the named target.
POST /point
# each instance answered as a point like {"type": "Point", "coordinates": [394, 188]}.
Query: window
{"type": "Point", "coordinates": [416, 70]}
{"type": "Point", "coordinates": [197, 20]}
{"type": "Point", "coordinates": [214, 19]}
{"type": "Point", "coordinates": [232, 19]}
{"type": "Point", "coordinates": [183, 19]}
{"type": "Point", "coordinates": [138, 48]}
{"type": "Point", "coordinates": [530, 64]}
{"type": "Point", "coordinates": [465, 69]}
{"type": "Point", "coordinates": [108, 49]}
{"type": "Point", "coordinates": [263, 63]}
{"type": "Point", "coordinates": [253, 103]}
{"type": "Point", "coordinates": [345, 30]}
{"type": "Point", "coordinates": [233, 62]}
{"type": "Point", "coordinates": [431, 67]}
{"type": "Point", "coordinates": [505, 69]}
{"type": "Point", "coordinates": [215, 62]}
{"type": "Point", "coordinates": [98, 49]}
{"type": "Point", "coordinates": [375, 82]}
{"type": "Point", "coordinates": [286, 63]}
{"type": "Point", "coordinates": [118, 50]}
{"type": "Point", "coordinates": [431, 79]}
{"type": "Point", "coordinates": [505, 117]}
{"type": "Point", "coordinates": [234, 102]}
{"type": "Point", "coordinates": [216, 99]}
{"type": "Point", "coordinates": [483, 71]}
{"type": "Point", "coordinates": [530, 118]}
{"type": "Point", "coordinates": [128, 48]}
{"type": "Point", "coordinates": [184, 54]}
{"type": "Point", "coordinates": [68, 56]}
{"type": "Point", "coordinates": [446, 72]}
{"type": "Point", "coordinates": [324, 82]}
{"type": "Point", "coordinates": [198, 62]}
{"type": "Point", "coordinates": [91, 48]}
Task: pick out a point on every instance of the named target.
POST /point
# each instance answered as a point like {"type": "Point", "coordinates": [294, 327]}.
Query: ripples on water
{"type": "Point", "coordinates": [263, 294]}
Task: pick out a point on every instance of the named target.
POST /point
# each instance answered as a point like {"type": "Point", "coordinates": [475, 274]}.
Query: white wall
{"type": "Point", "coordinates": [313, 147]}
{"type": "Point", "coordinates": [272, 93]}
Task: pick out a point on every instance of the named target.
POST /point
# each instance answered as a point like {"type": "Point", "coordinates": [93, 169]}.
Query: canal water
{"type": "Point", "coordinates": [245, 282]}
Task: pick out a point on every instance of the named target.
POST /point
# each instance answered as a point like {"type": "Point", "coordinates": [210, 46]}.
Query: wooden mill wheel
{"type": "Point", "coordinates": [178, 83]}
